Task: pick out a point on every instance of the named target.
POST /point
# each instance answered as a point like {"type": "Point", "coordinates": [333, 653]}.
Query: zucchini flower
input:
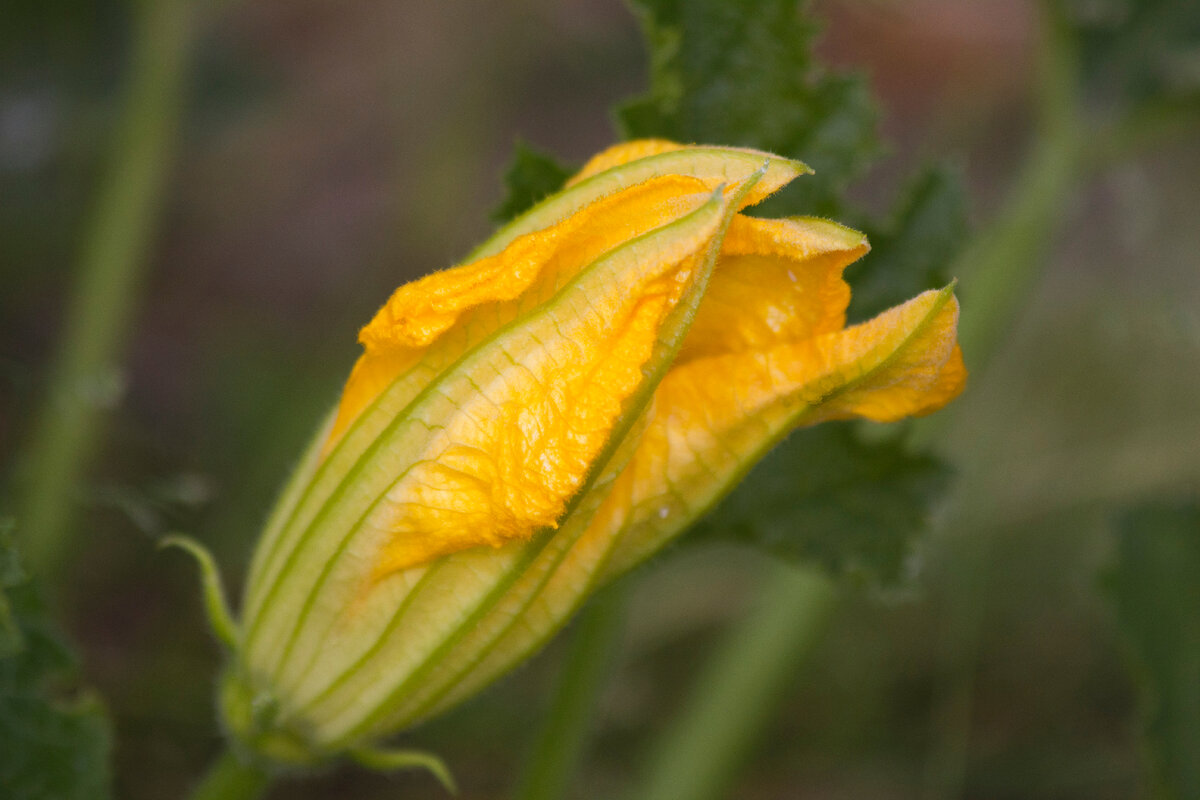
{"type": "Point", "coordinates": [525, 427]}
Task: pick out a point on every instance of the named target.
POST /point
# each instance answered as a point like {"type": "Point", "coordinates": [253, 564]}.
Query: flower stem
{"type": "Point", "coordinates": [1002, 263]}
{"type": "Point", "coordinates": [230, 778]}
{"type": "Point", "coordinates": [739, 688]}
{"type": "Point", "coordinates": [560, 742]}
{"type": "Point", "coordinates": [85, 380]}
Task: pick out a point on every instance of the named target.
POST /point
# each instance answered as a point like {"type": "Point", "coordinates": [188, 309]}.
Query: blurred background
{"type": "Point", "coordinates": [325, 153]}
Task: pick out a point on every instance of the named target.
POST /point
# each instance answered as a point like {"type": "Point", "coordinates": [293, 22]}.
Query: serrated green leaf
{"type": "Point", "coordinates": [826, 497]}
{"type": "Point", "coordinates": [54, 737]}
{"type": "Point", "coordinates": [532, 176]}
{"type": "Point", "coordinates": [1155, 588]}
{"type": "Point", "coordinates": [910, 252]}
{"type": "Point", "coordinates": [743, 74]}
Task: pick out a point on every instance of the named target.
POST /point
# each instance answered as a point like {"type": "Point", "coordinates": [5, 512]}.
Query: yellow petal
{"type": "Point", "coordinates": [730, 167]}
{"type": "Point", "coordinates": [623, 153]}
{"type": "Point", "coordinates": [534, 409]}
{"type": "Point", "coordinates": [715, 417]}
{"type": "Point", "coordinates": [904, 362]}
{"type": "Point", "coordinates": [776, 281]}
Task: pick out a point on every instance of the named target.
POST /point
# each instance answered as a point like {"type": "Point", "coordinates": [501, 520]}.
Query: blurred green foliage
{"type": "Point", "coordinates": [56, 736]}
{"type": "Point", "coordinates": [1136, 52]}
{"type": "Point", "coordinates": [12, 641]}
{"type": "Point", "coordinates": [1154, 584]}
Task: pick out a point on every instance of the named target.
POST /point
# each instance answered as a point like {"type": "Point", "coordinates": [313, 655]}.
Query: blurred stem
{"type": "Point", "coordinates": [560, 742]}
{"type": "Point", "coordinates": [1001, 267]}
{"type": "Point", "coordinates": [1001, 264]}
{"type": "Point", "coordinates": [1146, 128]}
{"type": "Point", "coordinates": [86, 378]}
{"type": "Point", "coordinates": [701, 752]}
{"type": "Point", "coordinates": [230, 778]}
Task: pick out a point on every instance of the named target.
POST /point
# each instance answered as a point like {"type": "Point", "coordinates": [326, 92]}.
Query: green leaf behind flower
{"type": "Point", "coordinates": [532, 176]}
{"type": "Point", "coordinates": [54, 737]}
{"type": "Point", "coordinates": [1155, 589]}
{"type": "Point", "coordinates": [743, 74]}
{"type": "Point", "coordinates": [911, 252]}
{"type": "Point", "coordinates": [827, 497]}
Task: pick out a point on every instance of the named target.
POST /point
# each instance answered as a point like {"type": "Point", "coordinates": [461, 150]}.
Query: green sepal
{"type": "Point", "coordinates": [216, 607]}
{"type": "Point", "coordinates": [248, 716]}
{"type": "Point", "coordinates": [381, 759]}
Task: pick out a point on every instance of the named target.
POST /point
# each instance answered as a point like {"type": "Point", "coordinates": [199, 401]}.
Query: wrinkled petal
{"type": "Point", "coordinates": [530, 420]}
{"type": "Point", "coordinates": [498, 628]}
{"type": "Point", "coordinates": [461, 306]}
{"type": "Point", "coordinates": [777, 281]}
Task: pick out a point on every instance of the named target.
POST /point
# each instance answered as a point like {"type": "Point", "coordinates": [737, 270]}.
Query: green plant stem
{"type": "Point", "coordinates": [559, 744]}
{"type": "Point", "coordinates": [230, 778]}
{"type": "Point", "coordinates": [1149, 127]}
{"type": "Point", "coordinates": [1002, 263]}
{"type": "Point", "coordinates": [1001, 266]}
{"type": "Point", "coordinates": [86, 378]}
{"type": "Point", "coordinates": [739, 688]}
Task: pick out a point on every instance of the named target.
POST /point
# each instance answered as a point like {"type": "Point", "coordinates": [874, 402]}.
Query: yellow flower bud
{"type": "Point", "coordinates": [524, 427]}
